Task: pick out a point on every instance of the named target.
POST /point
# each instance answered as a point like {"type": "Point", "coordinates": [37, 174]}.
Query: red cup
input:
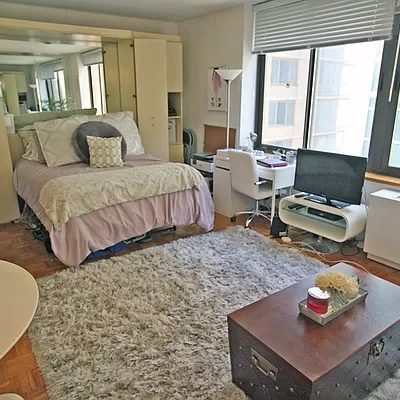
{"type": "Point", "coordinates": [318, 300]}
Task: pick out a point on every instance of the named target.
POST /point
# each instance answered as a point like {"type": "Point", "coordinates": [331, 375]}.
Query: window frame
{"type": "Point", "coordinates": [385, 112]}
{"type": "Point", "coordinates": [384, 115]}
{"type": "Point", "coordinates": [103, 102]}
{"type": "Point", "coordinates": [259, 106]}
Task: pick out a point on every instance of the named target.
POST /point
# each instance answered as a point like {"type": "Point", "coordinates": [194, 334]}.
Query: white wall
{"type": "Point", "coordinates": [29, 72]}
{"type": "Point", "coordinates": [72, 17]}
{"type": "Point", "coordinates": [249, 80]}
{"type": "Point", "coordinates": [209, 41]}
{"type": "Point", "coordinates": [72, 65]}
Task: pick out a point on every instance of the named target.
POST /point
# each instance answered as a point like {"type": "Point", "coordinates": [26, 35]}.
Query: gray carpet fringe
{"type": "Point", "coordinates": [152, 324]}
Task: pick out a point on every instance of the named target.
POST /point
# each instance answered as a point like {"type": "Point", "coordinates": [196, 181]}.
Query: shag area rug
{"type": "Point", "coordinates": [152, 324]}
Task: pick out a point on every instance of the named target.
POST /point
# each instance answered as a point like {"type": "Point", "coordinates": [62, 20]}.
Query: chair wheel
{"type": "Point", "coordinates": [233, 219]}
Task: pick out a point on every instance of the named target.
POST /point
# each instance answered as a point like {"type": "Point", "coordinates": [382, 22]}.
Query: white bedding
{"type": "Point", "coordinates": [67, 197]}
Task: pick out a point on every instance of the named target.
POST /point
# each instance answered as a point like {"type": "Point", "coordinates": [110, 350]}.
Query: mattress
{"type": "Point", "coordinates": [104, 227]}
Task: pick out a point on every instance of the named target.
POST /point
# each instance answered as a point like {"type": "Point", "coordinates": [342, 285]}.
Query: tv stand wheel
{"type": "Point", "coordinates": [233, 219]}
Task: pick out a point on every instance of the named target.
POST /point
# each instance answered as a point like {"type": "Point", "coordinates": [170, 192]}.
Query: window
{"type": "Point", "coordinates": [281, 113]}
{"type": "Point", "coordinates": [284, 72]}
{"type": "Point", "coordinates": [53, 94]}
{"type": "Point", "coordinates": [97, 87]}
{"type": "Point", "coordinates": [284, 105]}
{"type": "Point", "coordinates": [333, 102]}
{"type": "Point", "coordinates": [346, 97]}
{"type": "Point", "coordinates": [343, 99]}
{"type": "Point", "coordinates": [394, 160]}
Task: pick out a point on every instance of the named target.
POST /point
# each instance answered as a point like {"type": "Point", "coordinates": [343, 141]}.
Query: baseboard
{"type": "Point", "coordinates": [381, 260]}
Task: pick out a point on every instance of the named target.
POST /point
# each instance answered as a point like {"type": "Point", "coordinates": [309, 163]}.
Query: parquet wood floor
{"type": "Point", "coordinates": [18, 369]}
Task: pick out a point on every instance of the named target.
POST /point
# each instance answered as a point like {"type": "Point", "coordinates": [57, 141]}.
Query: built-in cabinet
{"type": "Point", "coordinates": [8, 198]}
{"type": "Point", "coordinates": [151, 95]}
{"type": "Point", "coordinates": [10, 91]}
{"type": "Point", "coordinates": [145, 75]}
{"type": "Point", "coordinates": [175, 100]}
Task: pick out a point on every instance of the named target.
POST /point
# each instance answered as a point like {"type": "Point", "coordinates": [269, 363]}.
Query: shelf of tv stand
{"type": "Point", "coordinates": [352, 222]}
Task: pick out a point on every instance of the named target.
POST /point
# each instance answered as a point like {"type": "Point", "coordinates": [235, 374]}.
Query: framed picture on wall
{"type": "Point", "coordinates": [216, 91]}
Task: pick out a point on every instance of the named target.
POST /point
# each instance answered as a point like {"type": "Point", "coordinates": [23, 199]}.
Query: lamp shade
{"type": "Point", "coordinates": [228, 74]}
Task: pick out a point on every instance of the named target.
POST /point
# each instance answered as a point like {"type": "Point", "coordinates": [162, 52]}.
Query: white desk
{"type": "Point", "coordinates": [227, 201]}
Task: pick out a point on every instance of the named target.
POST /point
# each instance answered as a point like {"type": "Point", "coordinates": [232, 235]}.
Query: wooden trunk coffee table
{"type": "Point", "coordinates": [18, 302]}
{"type": "Point", "coordinates": [277, 354]}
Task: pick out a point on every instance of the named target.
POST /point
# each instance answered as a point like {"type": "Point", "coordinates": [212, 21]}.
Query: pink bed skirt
{"type": "Point", "coordinates": [103, 228]}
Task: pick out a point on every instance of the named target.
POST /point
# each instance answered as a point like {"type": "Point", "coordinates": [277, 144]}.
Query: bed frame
{"type": "Point", "coordinates": [14, 140]}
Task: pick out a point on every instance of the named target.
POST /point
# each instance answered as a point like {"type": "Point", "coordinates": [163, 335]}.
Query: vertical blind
{"type": "Point", "coordinates": [290, 24]}
{"type": "Point", "coordinates": [92, 57]}
{"type": "Point", "coordinates": [46, 71]}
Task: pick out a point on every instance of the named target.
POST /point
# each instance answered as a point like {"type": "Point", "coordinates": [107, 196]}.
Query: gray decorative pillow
{"type": "Point", "coordinates": [95, 129]}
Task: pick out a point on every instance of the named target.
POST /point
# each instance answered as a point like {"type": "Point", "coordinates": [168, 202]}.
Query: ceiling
{"type": "Point", "coordinates": [28, 52]}
{"type": "Point", "coordinates": [6, 59]}
{"type": "Point", "coordinates": [167, 10]}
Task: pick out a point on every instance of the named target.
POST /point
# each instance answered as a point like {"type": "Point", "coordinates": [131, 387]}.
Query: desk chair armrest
{"type": "Point", "coordinates": [261, 182]}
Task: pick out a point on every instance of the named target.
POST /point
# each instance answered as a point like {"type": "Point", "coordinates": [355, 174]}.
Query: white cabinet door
{"type": "Point", "coordinates": [111, 76]}
{"type": "Point", "coordinates": [8, 198]}
{"type": "Point", "coordinates": [226, 200]}
{"type": "Point", "coordinates": [174, 67]}
{"type": "Point", "coordinates": [381, 237]}
{"type": "Point", "coordinates": [151, 92]}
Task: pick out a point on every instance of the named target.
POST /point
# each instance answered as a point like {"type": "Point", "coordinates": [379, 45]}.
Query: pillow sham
{"type": "Point", "coordinates": [105, 152]}
{"type": "Point", "coordinates": [56, 139]}
{"type": "Point", "coordinates": [32, 149]}
{"type": "Point", "coordinates": [125, 123]}
{"type": "Point", "coordinates": [26, 128]}
{"type": "Point", "coordinates": [97, 129]}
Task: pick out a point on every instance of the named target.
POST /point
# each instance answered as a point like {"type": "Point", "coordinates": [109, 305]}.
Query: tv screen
{"type": "Point", "coordinates": [332, 176]}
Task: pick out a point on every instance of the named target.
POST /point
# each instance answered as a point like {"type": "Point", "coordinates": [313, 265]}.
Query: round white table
{"type": "Point", "coordinates": [19, 297]}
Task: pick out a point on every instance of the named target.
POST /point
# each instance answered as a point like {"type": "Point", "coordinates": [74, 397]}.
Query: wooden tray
{"type": "Point", "coordinates": [323, 319]}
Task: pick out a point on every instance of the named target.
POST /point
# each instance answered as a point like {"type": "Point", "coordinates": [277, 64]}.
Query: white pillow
{"type": "Point", "coordinates": [56, 139]}
{"type": "Point", "coordinates": [56, 136]}
{"type": "Point", "coordinates": [125, 123]}
{"type": "Point", "coordinates": [32, 149]}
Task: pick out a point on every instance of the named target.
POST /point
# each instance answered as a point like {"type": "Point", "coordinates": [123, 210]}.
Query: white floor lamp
{"type": "Point", "coordinates": [228, 75]}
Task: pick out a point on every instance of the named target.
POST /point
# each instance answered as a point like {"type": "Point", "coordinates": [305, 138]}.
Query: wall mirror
{"type": "Point", "coordinates": [50, 71]}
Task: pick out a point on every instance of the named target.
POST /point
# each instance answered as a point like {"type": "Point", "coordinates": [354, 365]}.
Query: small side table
{"type": "Point", "coordinates": [19, 297]}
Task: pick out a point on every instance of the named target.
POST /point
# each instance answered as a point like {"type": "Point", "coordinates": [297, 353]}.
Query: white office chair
{"type": "Point", "coordinates": [245, 180]}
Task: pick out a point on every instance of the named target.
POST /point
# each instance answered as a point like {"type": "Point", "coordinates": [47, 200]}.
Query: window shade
{"type": "Point", "coordinates": [92, 57]}
{"type": "Point", "coordinates": [46, 71]}
{"type": "Point", "coordinates": [289, 25]}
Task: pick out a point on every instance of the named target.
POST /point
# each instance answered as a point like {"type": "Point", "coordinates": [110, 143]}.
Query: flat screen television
{"type": "Point", "coordinates": [335, 178]}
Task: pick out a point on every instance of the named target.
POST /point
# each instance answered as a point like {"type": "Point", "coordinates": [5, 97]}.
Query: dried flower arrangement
{"type": "Point", "coordinates": [341, 287]}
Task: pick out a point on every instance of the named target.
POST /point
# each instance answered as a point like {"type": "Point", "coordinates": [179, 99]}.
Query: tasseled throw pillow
{"type": "Point", "coordinates": [105, 152]}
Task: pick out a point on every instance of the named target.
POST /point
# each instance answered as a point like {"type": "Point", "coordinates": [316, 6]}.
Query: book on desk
{"type": "Point", "coordinates": [271, 162]}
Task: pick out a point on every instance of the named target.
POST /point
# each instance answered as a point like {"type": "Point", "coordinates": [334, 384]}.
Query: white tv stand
{"type": "Point", "coordinates": [352, 222]}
